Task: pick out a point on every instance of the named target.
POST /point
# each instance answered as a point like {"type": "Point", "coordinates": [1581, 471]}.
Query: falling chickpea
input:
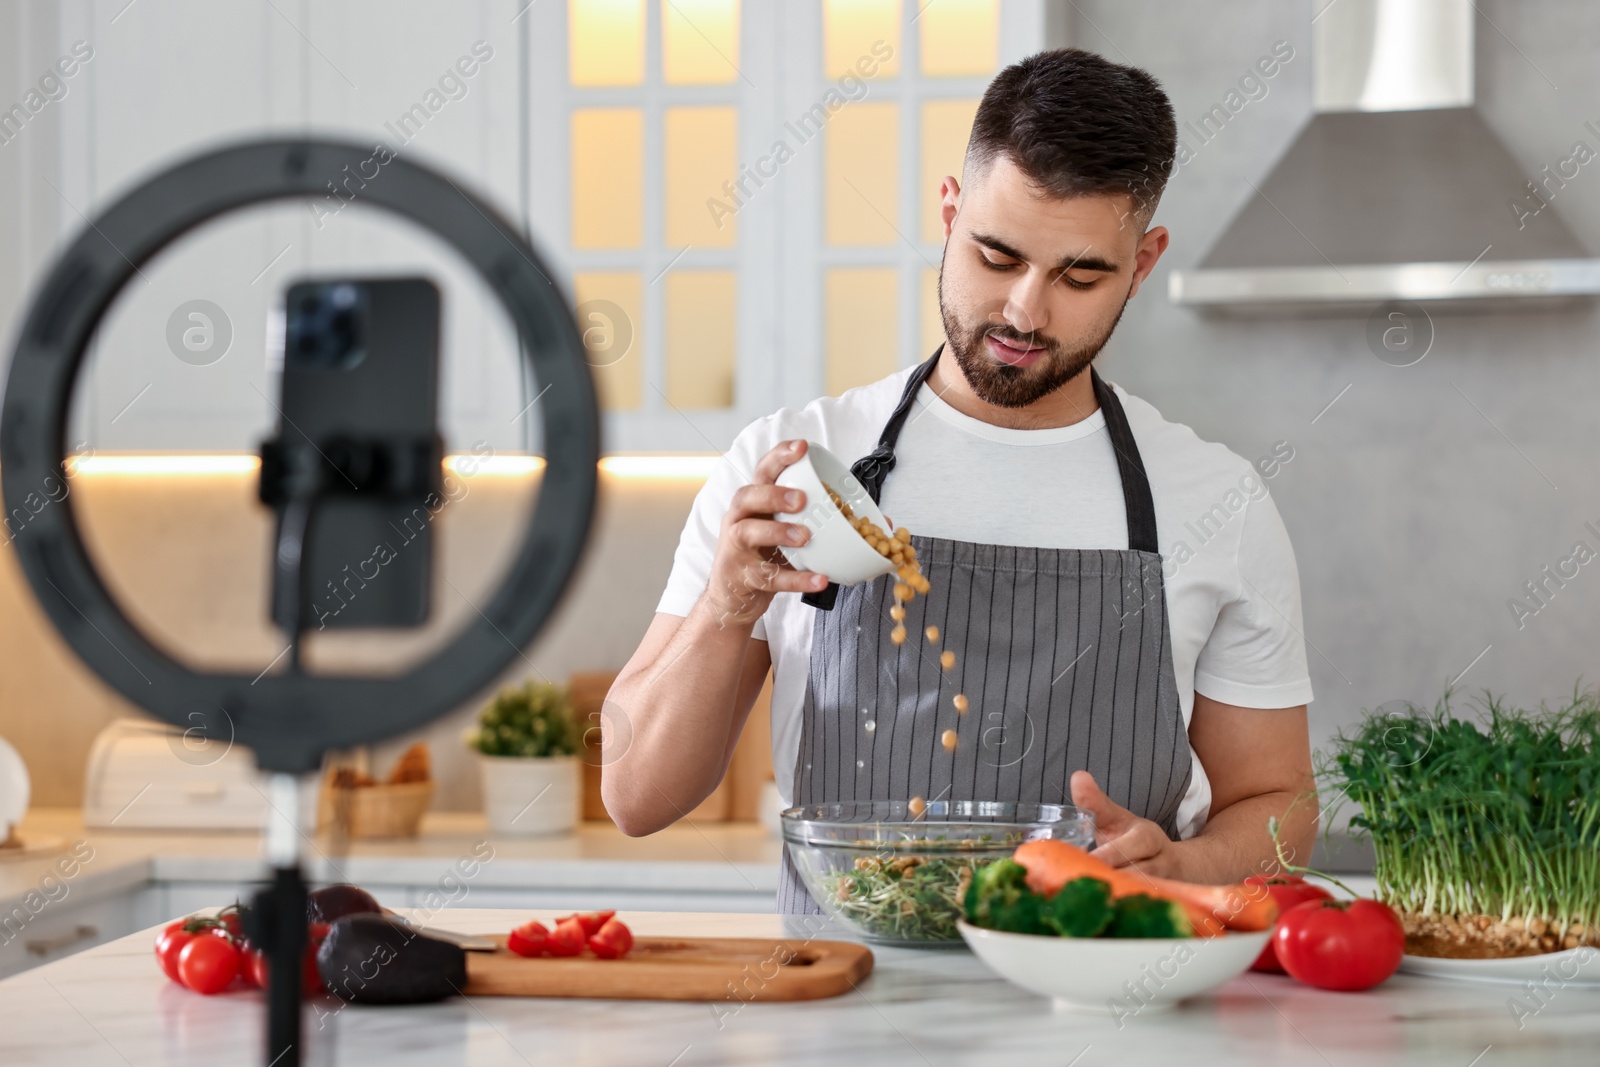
{"type": "Point", "coordinates": [895, 546]}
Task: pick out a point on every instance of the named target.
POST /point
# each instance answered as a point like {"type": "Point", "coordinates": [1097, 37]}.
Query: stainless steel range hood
{"type": "Point", "coordinates": [1397, 189]}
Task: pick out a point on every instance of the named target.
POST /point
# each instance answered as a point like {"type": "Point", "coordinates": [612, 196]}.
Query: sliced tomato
{"type": "Point", "coordinates": [567, 939]}
{"type": "Point", "coordinates": [1287, 891]}
{"type": "Point", "coordinates": [529, 939]}
{"type": "Point", "coordinates": [592, 921]}
{"type": "Point", "coordinates": [612, 941]}
{"type": "Point", "coordinates": [208, 964]}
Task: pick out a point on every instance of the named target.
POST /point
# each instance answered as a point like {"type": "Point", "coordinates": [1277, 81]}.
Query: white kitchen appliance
{"type": "Point", "coordinates": [149, 776]}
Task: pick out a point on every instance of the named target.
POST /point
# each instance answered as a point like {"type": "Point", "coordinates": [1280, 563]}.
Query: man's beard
{"type": "Point", "coordinates": [1016, 387]}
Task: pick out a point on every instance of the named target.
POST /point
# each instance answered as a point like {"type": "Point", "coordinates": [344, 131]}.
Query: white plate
{"type": "Point", "coordinates": [1574, 966]}
{"type": "Point", "coordinates": [1121, 977]}
{"type": "Point", "coordinates": [14, 787]}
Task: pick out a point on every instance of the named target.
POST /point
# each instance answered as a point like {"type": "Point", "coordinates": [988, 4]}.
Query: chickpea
{"type": "Point", "coordinates": [897, 613]}
{"type": "Point", "coordinates": [917, 806]}
{"type": "Point", "coordinates": [961, 703]}
{"type": "Point", "coordinates": [932, 634]}
{"type": "Point", "coordinates": [947, 659]}
{"type": "Point", "coordinates": [902, 591]}
{"type": "Point", "coordinates": [898, 635]}
{"type": "Point", "coordinates": [948, 740]}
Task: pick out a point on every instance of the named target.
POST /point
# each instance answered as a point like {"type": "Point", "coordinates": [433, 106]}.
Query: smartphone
{"type": "Point", "coordinates": [361, 362]}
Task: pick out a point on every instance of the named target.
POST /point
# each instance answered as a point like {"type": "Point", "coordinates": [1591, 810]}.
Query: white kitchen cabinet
{"type": "Point", "coordinates": [66, 927]}
{"type": "Point", "coordinates": [170, 79]}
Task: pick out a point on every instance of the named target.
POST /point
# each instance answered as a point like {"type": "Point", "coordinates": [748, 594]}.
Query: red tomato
{"type": "Point", "coordinates": [253, 967]}
{"type": "Point", "coordinates": [208, 964]}
{"type": "Point", "coordinates": [232, 922]}
{"type": "Point", "coordinates": [169, 943]}
{"type": "Point", "coordinates": [529, 939]}
{"type": "Point", "coordinates": [1340, 944]}
{"type": "Point", "coordinates": [1287, 891]}
{"type": "Point", "coordinates": [567, 939]}
{"type": "Point", "coordinates": [612, 941]}
{"type": "Point", "coordinates": [253, 963]}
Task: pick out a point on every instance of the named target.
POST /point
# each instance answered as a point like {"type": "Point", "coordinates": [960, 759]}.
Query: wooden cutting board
{"type": "Point", "coordinates": [679, 968]}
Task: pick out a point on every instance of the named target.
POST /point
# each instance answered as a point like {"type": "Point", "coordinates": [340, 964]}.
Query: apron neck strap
{"type": "Point", "coordinates": [1136, 495]}
{"type": "Point", "coordinates": [872, 469]}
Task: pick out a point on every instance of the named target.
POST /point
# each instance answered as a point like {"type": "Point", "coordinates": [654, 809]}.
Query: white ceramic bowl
{"type": "Point", "coordinates": [835, 549]}
{"type": "Point", "coordinates": [1121, 977]}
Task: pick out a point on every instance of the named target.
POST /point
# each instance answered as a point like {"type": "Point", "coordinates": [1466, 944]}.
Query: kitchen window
{"type": "Point", "coordinates": [744, 198]}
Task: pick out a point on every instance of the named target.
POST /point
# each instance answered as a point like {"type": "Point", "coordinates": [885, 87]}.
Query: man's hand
{"type": "Point", "coordinates": [748, 571]}
{"type": "Point", "coordinates": [1122, 839]}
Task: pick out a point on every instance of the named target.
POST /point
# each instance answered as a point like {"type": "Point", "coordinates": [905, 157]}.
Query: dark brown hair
{"type": "Point", "coordinates": [1078, 124]}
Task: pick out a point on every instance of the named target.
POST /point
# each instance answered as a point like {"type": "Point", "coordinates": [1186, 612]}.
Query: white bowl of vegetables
{"type": "Point", "coordinates": [1059, 923]}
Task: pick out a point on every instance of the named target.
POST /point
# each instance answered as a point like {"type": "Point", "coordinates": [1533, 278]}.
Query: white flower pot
{"type": "Point", "coordinates": [526, 797]}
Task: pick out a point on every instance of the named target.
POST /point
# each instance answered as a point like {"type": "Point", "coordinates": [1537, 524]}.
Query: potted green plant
{"type": "Point", "coordinates": [527, 743]}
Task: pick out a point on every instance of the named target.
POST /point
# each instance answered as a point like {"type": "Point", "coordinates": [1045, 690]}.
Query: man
{"type": "Point", "coordinates": [1161, 686]}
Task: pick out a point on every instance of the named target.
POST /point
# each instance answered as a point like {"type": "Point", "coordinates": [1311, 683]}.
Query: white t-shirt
{"type": "Point", "coordinates": [1232, 588]}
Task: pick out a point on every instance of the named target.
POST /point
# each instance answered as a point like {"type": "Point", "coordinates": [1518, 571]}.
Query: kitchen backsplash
{"type": "Point", "coordinates": [187, 557]}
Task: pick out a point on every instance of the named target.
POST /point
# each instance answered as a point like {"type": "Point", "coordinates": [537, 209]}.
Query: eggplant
{"type": "Point", "coordinates": [334, 902]}
{"type": "Point", "coordinates": [376, 959]}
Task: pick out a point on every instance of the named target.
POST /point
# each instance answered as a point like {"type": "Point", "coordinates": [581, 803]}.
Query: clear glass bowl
{"type": "Point", "coordinates": [899, 879]}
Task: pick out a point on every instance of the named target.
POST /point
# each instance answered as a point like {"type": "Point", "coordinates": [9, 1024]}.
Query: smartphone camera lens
{"type": "Point", "coordinates": [324, 327]}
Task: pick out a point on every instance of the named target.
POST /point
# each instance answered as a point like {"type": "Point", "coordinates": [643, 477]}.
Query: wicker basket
{"type": "Point", "coordinates": [375, 811]}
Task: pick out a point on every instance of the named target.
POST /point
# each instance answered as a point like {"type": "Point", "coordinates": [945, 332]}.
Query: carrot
{"type": "Point", "coordinates": [1051, 864]}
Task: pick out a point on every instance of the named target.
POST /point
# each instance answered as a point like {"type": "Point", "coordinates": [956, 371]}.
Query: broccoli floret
{"type": "Point", "coordinates": [998, 898]}
{"type": "Point", "coordinates": [1146, 916]}
{"type": "Point", "coordinates": [1081, 908]}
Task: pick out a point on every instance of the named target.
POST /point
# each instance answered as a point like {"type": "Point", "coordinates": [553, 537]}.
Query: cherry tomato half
{"type": "Point", "coordinates": [592, 921]}
{"type": "Point", "coordinates": [612, 941]}
{"type": "Point", "coordinates": [567, 939]}
{"type": "Point", "coordinates": [1287, 891]}
{"type": "Point", "coordinates": [1340, 944]}
{"type": "Point", "coordinates": [529, 939]}
{"type": "Point", "coordinates": [208, 964]}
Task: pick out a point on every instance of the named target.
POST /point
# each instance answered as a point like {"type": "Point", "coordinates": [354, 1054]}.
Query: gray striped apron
{"type": "Point", "coordinates": [1064, 655]}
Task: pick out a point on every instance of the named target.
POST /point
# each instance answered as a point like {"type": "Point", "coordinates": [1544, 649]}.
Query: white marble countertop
{"type": "Point", "coordinates": [725, 857]}
{"type": "Point", "coordinates": [110, 1005]}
